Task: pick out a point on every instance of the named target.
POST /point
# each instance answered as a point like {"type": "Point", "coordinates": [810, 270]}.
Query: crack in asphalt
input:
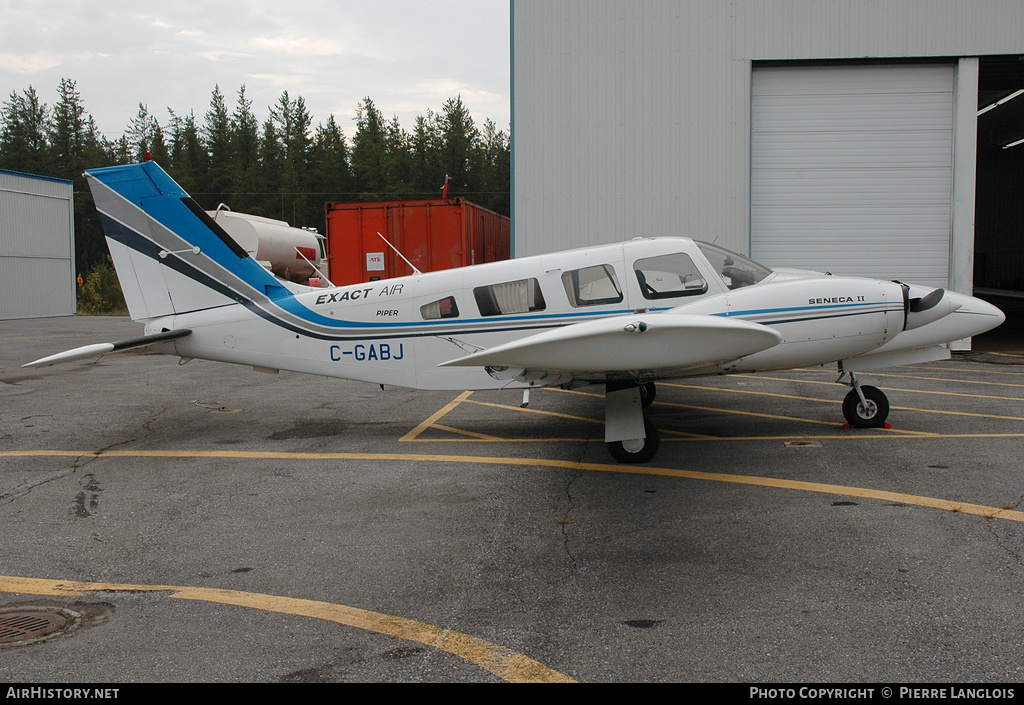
{"type": "Point", "coordinates": [82, 501]}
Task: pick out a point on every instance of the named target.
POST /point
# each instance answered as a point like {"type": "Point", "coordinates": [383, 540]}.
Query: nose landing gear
{"type": "Point", "coordinates": [865, 406]}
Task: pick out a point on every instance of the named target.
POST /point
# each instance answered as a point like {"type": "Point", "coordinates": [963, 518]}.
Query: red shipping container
{"type": "Point", "coordinates": [432, 234]}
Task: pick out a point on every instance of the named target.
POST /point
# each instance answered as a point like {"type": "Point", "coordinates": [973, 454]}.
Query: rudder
{"type": "Point", "coordinates": [170, 256]}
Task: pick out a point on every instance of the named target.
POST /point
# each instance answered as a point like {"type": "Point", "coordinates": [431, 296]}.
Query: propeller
{"type": "Point", "coordinates": [923, 303]}
{"type": "Point", "coordinates": [925, 308]}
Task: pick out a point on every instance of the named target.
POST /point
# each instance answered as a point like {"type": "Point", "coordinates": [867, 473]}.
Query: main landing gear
{"type": "Point", "coordinates": [630, 437]}
{"type": "Point", "coordinates": [865, 406]}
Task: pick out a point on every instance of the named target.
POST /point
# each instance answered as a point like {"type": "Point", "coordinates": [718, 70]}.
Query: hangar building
{"type": "Point", "coordinates": [37, 247]}
{"type": "Point", "coordinates": [852, 137]}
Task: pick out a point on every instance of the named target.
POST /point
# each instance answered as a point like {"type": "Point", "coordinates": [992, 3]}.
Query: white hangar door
{"type": "Point", "coordinates": [852, 169]}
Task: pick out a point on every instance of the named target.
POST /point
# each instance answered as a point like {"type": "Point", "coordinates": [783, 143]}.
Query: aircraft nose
{"type": "Point", "coordinates": [990, 310]}
{"type": "Point", "coordinates": [977, 315]}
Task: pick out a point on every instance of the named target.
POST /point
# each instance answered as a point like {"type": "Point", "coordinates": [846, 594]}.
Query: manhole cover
{"type": "Point", "coordinates": [28, 625]}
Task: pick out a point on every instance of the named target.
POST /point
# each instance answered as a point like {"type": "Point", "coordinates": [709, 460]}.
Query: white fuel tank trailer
{"type": "Point", "coordinates": [290, 253]}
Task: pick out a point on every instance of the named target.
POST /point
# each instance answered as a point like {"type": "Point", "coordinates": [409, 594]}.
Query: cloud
{"type": "Point", "coordinates": [29, 63]}
{"type": "Point", "coordinates": [408, 55]}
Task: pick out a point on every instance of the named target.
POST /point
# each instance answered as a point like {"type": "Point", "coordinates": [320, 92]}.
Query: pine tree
{"type": "Point", "coordinates": [139, 134]}
{"type": "Point", "coordinates": [188, 158]}
{"type": "Point", "coordinates": [244, 159]}
{"type": "Point", "coordinates": [491, 159]}
{"type": "Point", "coordinates": [291, 124]}
{"type": "Point", "coordinates": [216, 136]}
{"type": "Point", "coordinates": [269, 184]}
{"type": "Point", "coordinates": [458, 135]}
{"type": "Point", "coordinates": [75, 145]}
{"type": "Point", "coordinates": [67, 133]}
{"type": "Point", "coordinates": [23, 133]}
{"type": "Point", "coordinates": [281, 168]}
{"type": "Point", "coordinates": [329, 162]}
{"type": "Point", "coordinates": [396, 160]}
{"type": "Point", "coordinates": [426, 174]}
{"type": "Point", "coordinates": [369, 152]}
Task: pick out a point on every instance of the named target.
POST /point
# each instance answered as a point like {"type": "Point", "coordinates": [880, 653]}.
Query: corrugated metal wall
{"type": "Point", "coordinates": [633, 119]}
{"type": "Point", "coordinates": [852, 168]}
{"type": "Point", "coordinates": [36, 247]}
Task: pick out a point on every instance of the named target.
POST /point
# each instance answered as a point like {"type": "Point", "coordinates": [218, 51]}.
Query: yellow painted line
{"type": "Point", "coordinates": [682, 436]}
{"type": "Point", "coordinates": [740, 412]}
{"type": "Point", "coordinates": [892, 389]}
{"type": "Point", "coordinates": [530, 410]}
{"type": "Point", "coordinates": [753, 480]}
{"type": "Point", "coordinates": [858, 435]}
{"type": "Point", "coordinates": [837, 401]}
{"type": "Point", "coordinates": [754, 392]}
{"type": "Point", "coordinates": [800, 419]}
{"type": "Point", "coordinates": [737, 412]}
{"type": "Point", "coordinates": [503, 663]}
{"type": "Point", "coordinates": [511, 440]}
{"type": "Point", "coordinates": [464, 432]}
{"type": "Point", "coordinates": [947, 379]}
{"type": "Point", "coordinates": [1014, 355]}
{"type": "Point", "coordinates": [957, 413]}
{"type": "Point", "coordinates": [988, 370]}
{"type": "Point", "coordinates": [687, 435]}
{"type": "Point", "coordinates": [437, 415]}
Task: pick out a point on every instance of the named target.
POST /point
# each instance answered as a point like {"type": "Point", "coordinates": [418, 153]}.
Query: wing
{"type": "Point", "coordinates": [650, 341]}
{"type": "Point", "coordinates": [87, 351]}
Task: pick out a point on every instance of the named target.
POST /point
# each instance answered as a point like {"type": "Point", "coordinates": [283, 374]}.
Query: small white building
{"type": "Point", "coordinates": [833, 135]}
{"type": "Point", "coordinates": [37, 246]}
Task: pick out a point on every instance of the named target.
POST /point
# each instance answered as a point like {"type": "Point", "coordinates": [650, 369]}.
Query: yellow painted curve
{"type": "Point", "coordinates": [503, 663]}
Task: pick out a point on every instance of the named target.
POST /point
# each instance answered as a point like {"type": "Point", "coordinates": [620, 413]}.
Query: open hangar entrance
{"type": "Point", "coordinates": [999, 216]}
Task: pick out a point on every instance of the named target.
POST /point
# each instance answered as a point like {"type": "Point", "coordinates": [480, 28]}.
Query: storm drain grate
{"type": "Point", "coordinates": [27, 625]}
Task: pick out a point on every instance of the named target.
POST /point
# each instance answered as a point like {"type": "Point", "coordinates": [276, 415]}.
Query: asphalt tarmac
{"type": "Point", "coordinates": [207, 523]}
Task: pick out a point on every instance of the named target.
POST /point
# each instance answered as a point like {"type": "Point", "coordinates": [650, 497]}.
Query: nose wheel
{"type": "Point", "coordinates": [865, 406]}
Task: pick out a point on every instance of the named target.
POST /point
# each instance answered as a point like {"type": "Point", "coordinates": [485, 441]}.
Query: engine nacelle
{"type": "Point", "coordinates": [820, 319]}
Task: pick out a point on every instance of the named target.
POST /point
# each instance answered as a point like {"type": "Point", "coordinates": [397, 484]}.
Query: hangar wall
{"type": "Point", "coordinates": [37, 252]}
{"type": "Point", "coordinates": [634, 119]}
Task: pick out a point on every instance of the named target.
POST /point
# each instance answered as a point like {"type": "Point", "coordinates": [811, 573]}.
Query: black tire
{"type": "Point", "coordinates": [646, 453]}
{"type": "Point", "coordinates": [648, 392]}
{"type": "Point", "coordinates": [871, 416]}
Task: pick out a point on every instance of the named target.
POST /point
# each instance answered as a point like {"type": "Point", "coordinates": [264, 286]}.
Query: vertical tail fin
{"type": "Point", "coordinates": [170, 256]}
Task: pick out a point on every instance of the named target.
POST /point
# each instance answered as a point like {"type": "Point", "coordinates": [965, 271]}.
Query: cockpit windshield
{"type": "Point", "coordinates": [737, 270]}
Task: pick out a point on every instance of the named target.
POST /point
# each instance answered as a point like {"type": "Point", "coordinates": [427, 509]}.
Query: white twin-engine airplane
{"type": "Point", "coordinates": [620, 315]}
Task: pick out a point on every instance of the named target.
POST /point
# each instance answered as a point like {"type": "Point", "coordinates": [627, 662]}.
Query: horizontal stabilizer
{"type": "Point", "coordinates": [651, 341]}
{"type": "Point", "coordinates": [89, 351]}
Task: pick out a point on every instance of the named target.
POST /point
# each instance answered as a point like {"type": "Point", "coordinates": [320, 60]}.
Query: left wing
{"type": "Point", "coordinates": [649, 341]}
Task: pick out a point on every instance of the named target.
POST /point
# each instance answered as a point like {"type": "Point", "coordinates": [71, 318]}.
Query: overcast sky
{"type": "Point", "coordinates": [409, 56]}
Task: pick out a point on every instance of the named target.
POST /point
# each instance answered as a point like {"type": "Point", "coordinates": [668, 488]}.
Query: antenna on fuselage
{"type": "Point", "coordinates": [395, 249]}
{"type": "Point", "coordinates": [315, 268]}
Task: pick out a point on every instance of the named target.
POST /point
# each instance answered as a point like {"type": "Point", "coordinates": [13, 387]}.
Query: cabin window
{"type": "Point", "coordinates": [737, 270]}
{"type": "Point", "coordinates": [669, 276]}
{"type": "Point", "coordinates": [509, 297]}
{"type": "Point", "coordinates": [445, 308]}
{"type": "Point", "coordinates": [592, 286]}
